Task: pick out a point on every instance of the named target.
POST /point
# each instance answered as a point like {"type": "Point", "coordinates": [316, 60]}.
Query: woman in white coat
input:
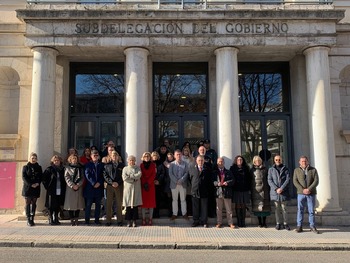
{"type": "Point", "coordinates": [132, 197]}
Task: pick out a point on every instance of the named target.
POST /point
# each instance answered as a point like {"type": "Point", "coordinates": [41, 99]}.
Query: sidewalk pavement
{"type": "Point", "coordinates": [166, 234]}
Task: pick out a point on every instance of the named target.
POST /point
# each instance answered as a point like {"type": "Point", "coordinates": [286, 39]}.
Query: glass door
{"type": "Point", "coordinates": [266, 136]}
{"type": "Point", "coordinates": [97, 131]}
{"type": "Point", "coordinates": [178, 130]}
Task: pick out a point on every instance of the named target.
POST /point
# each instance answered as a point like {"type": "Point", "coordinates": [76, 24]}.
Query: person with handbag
{"type": "Point", "coordinates": [148, 177]}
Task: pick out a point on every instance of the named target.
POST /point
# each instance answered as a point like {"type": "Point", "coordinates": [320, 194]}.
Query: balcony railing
{"type": "Point", "coordinates": [185, 3]}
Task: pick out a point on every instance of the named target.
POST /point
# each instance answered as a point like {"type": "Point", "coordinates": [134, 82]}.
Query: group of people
{"type": "Point", "coordinates": [194, 183]}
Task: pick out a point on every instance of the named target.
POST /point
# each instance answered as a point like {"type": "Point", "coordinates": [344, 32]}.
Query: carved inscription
{"type": "Point", "coordinates": [180, 28]}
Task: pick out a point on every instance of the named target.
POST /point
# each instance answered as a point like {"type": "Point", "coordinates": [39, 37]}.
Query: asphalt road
{"type": "Point", "coordinates": [26, 255]}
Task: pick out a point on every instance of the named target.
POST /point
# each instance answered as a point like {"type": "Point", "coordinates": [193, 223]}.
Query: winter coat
{"type": "Point", "coordinates": [299, 180]}
{"type": "Point", "coordinates": [31, 174]}
{"type": "Point", "coordinates": [242, 178]}
{"type": "Point", "coordinates": [113, 173]}
{"type": "Point", "coordinates": [223, 191]}
{"type": "Point", "coordinates": [147, 185]}
{"type": "Point", "coordinates": [93, 175]}
{"type": "Point", "coordinates": [279, 179]}
{"type": "Point", "coordinates": [50, 180]}
{"type": "Point", "coordinates": [260, 191]}
{"type": "Point", "coordinates": [132, 186]}
{"type": "Point", "coordinates": [74, 175]}
{"type": "Point", "coordinates": [201, 181]}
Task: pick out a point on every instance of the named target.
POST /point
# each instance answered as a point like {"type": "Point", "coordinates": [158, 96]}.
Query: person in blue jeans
{"type": "Point", "coordinates": [305, 179]}
{"type": "Point", "coordinates": [93, 191]}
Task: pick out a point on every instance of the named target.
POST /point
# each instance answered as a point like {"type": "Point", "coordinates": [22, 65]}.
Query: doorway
{"type": "Point", "coordinates": [181, 129]}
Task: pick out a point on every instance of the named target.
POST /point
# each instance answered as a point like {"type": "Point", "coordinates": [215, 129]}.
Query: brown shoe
{"type": "Point", "coordinates": [218, 226]}
{"type": "Point", "coordinates": [232, 226]}
{"type": "Point", "coordinates": [186, 217]}
{"type": "Point", "coordinates": [173, 217]}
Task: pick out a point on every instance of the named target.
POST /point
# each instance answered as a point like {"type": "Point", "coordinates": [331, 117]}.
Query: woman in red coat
{"type": "Point", "coordinates": [149, 171]}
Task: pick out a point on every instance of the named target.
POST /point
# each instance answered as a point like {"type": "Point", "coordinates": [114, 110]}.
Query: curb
{"type": "Point", "coordinates": [183, 246]}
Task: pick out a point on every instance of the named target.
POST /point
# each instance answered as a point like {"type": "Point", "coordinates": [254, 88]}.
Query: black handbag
{"type": "Point", "coordinates": [146, 186]}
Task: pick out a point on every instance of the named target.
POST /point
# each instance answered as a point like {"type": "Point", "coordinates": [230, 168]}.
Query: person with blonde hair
{"type": "Point", "coordinates": [132, 197]}
{"type": "Point", "coordinates": [74, 176]}
{"type": "Point", "coordinates": [55, 184]}
{"type": "Point", "coordinates": [260, 191]}
{"type": "Point", "coordinates": [149, 171]}
{"type": "Point", "coordinates": [32, 176]}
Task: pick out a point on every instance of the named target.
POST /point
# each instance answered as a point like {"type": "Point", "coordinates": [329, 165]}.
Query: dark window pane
{"type": "Point", "coordinates": [261, 92]}
{"type": "Point", "coordinates": [180, 93]}
{"type": "Point", "coordinates": [99, 93]}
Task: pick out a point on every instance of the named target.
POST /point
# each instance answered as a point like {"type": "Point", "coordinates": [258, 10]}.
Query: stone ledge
{"type": "Point", "coordinates": [346, 134]}
{"type": "Point", "coordinates": [8, 141]}
{"type": "Point", "coordinates": [127, 14]}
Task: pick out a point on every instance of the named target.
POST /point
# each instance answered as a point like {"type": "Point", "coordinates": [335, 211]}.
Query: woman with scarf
{"type": "Point", "coordinates": [31, 175]}
{"type": "Point", "coordinates": [148, 181]}
{"type": "Point", "coordinates": [55, 184]}
{"type": "Point", "coordinates": [74, 177]}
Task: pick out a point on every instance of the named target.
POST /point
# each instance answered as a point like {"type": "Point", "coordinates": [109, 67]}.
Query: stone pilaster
{"type": "Point", "coordinates": [227, 101]}
{"type": "Point", "coordinates": [137, 108]}
{"type": "Point", "coordinates": [321, 127]}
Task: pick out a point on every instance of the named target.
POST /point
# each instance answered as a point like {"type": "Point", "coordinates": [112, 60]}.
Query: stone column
{"type": "Point", "coordinates": [227, 101]}
{"type": "Point", "coordinates": [136, 102]}
{"type": "Point", "coordinates": [42, 109]}
{"type": "Point", "coordinates": [321, 127]}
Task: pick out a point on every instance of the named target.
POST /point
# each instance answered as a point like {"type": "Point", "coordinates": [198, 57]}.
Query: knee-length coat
{"type": "Point", "coordinates": [132, 186]}
{"type": "Point", "coordinates": [148, 193]}
{"type": "Point", "coordinates": [74, 175]}
{"type": "Point", "coordinates": [260, 190]}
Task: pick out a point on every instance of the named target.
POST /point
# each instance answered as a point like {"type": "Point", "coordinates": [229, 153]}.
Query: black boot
{"type": "Point", "coordinates": [260, 221]}
{"type": "Point", "coordinates": [50, 217]}
{"type": "Point", "coordinates": [243, 214]}
{"type": "Point", "coordinates": [238, 215]}
{"type": "Point", "coordinates": [33, 214]}
{"type": "Point", "coordinates": [264, 221]}
{"type": "Point", "coordinates": [72, 218]}
{"type": "Point", "coordinates": [55, 218]}
{"type": "Point", "coordinates": [27, 209]}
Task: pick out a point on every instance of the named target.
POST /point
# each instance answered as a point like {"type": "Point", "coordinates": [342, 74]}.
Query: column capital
{"type": "Point", "coordinates": [45, 49]}
{"type": "Point", "coordinates": [128, 49]}
{"type": "Point", "coordinates": [315, 48]}
{"type": "Point", "coordinates": [220, 49]}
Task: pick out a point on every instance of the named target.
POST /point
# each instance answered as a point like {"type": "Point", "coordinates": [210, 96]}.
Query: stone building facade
{"type": "Point", "coordinates": [230, 55]}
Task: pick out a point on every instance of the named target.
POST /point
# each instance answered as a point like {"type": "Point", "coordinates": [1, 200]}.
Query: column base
{"type": "Point", "coordinates": [333, 218]}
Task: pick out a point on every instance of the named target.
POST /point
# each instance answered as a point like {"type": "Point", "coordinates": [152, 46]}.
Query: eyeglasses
{"type": "Point", "coordinates": [96, 155]}
{"type": "Point", "coordinates": [277, 160]}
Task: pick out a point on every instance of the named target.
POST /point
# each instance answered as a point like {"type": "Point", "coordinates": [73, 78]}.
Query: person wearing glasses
{"type": "Point", "coordinates": [278, 178]}
{"type": "Point", "coordinates": [93, 190]}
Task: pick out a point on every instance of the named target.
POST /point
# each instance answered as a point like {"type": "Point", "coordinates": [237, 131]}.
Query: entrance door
{"type": "Point", "coordinates": [88, 131]}
{"type": "Point", "coordinates": [181, 129]}
{"type": "Point", "coordinates": [266, 136]}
